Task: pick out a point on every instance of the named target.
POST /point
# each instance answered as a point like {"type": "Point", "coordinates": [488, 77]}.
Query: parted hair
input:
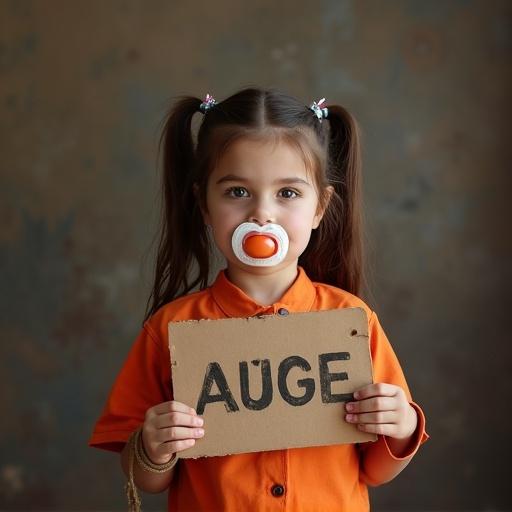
{"type": "Point", "coordinates": [331, 152]}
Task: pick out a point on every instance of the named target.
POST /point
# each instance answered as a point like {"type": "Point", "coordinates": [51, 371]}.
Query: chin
{"type": "Point", "coordinates": [260, 271]}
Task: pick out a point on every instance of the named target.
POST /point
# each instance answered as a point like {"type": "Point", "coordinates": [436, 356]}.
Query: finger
{"type": "Point", "coordinates": [373, 417]}
{"type": "Point", "coordinates": [164, 450]}
{"type": "Point", "coordinates": [179, 446]}
{"type": "Point", "coordinates": [378, 389]}
{"type": "Point", "coordinates": [172, 406]}
{"type": "Point", "coordinates": [383, 429]}
{"type": "Point", "coordinates": [158, 443]}
{"type": "Point", "coordinates": [173, 419]}
{"type": "Point", "coordinates": [379, 403]}
{"type": "Point", "coordinates": [166, 435]}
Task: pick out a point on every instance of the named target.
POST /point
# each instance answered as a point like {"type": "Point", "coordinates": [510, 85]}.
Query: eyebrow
{"type": "Point", "coordinates": [288, 181]}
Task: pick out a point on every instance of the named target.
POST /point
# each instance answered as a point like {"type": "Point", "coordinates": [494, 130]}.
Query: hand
{"type": "Point", "coordinates": [168, 428]}
{"type": "Point", "coordinates": [382, 409]}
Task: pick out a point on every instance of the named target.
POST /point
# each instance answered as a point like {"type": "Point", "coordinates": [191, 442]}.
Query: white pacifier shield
{"type": "Point", "coordinates": [274, 230]}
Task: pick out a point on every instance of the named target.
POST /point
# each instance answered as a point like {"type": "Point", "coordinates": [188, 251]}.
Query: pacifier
{"type": "Point", "coordinates": [260, 246]}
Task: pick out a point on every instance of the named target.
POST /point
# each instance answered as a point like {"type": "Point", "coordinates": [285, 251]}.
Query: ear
{"type": "Point", "coordinates": [204, 213]}
{"type": "Point", "coordinates": [320, 211]}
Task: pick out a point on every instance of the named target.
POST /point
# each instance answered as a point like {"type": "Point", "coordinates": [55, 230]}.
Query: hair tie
{"type": "Point", "coordinates": [207, 104]}
{"type": "Point", "coordinates": [317, 109]}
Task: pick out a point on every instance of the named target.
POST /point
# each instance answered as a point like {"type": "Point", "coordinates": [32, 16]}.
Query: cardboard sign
{"type": "Point", "coordinates": [271, 382]}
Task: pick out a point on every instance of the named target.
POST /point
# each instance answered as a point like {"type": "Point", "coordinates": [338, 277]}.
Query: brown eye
{"type": "Point", "coordinates": [288, 193]}
{"type": "Point", "coordinates": [236, 192]}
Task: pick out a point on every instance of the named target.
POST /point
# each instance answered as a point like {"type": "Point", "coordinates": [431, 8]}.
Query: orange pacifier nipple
{"type": "Point", "coordinates": [258, 245]}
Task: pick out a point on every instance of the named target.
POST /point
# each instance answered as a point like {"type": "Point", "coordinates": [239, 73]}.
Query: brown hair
{"type": "Point", "coordinates": [330, 148]}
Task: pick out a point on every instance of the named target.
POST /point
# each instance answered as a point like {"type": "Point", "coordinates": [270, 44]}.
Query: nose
{"type": "Point", "coordinates": [261, 213]}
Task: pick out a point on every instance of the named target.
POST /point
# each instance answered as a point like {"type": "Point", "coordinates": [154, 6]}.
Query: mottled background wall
{"type": "Point", "coordinates": [83, 88]}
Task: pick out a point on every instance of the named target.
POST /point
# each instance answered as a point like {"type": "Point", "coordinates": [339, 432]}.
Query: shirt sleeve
{"type": "Point", "coordinates": [379, 464]}
{"type": "Point", "coordinates": [143, 382]}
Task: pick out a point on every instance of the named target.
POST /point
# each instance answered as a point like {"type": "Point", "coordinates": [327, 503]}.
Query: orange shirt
{"type": "Point", "coordinates": [325, 478]}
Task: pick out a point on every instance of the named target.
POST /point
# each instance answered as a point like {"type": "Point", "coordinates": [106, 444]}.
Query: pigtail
{"type": "Point", "coordinates": [183, 240]}
{"type": "Point", "coordinates": [335, 252]}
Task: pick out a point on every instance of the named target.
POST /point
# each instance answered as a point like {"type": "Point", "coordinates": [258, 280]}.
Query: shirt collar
{"type": "Point", "coordinates": [235, 303]}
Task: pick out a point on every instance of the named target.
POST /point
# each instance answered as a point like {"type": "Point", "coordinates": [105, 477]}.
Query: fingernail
{"type": "Point", "coordinates": [191, 441]}
{"type": "Point", "coordinates": [350, 407]}
{"type": "Point", "coordinates": [199, 422]}
{"type": "Point", "coordinates": [349, 417]}
{"type": "Point", "coordinates": [356, 394]}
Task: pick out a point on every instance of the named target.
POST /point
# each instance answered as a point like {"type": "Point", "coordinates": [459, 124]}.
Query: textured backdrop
{"type": "Point", "coordinates": [83, 89]}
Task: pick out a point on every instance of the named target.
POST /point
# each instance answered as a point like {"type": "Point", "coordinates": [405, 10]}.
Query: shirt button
{"type": "Point", "coordinates": [277, 490]}
{"type": "Point", "coordinates": [282, 311]}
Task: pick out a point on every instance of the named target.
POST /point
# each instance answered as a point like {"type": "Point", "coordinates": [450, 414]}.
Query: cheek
{"type": "Point", "coordinates": [225, 220]}
{"type": "Point", "coordinates": [301, 222]}
{"type": "Point", "coordinates": [298, 231]}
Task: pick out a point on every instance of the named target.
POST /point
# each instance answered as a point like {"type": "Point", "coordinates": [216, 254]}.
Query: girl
{"type": "Point", "coordinates": [276, 186]}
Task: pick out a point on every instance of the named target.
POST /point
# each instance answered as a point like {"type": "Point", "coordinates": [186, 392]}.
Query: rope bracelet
{"type": "Point", "coordinates": [137, 452]}
{"type": "Point", "coordinates": [144, 461]}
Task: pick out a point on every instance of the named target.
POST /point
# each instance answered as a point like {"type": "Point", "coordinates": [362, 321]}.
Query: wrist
{"type": "Point", "coordinates": [153, 460]}
{"type": "Point", "coordinates": [145, 462]}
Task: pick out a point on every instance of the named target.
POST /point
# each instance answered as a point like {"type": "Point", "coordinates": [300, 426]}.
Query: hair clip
{"type": "Point", "coordinates": [318, 110]}
{"type": "Point", "coordinates": [207, 104]}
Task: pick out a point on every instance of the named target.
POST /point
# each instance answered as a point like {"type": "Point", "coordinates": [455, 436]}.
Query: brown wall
{"type": "Point", "coordinates": [83, 88]}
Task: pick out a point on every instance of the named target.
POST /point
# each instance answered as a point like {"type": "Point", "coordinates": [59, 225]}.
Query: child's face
{"type": "Point", "coordinates": [262, 182]}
